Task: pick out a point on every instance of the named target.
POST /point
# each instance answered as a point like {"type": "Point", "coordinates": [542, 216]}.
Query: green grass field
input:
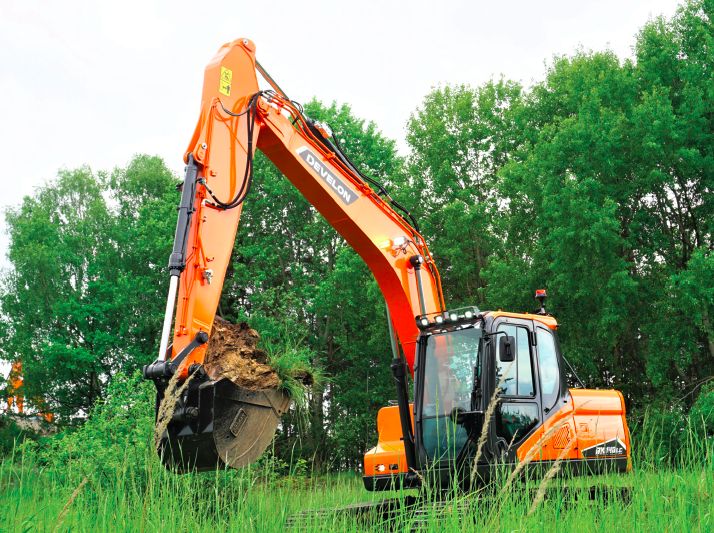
{"type": "Point", "coordinates": [139, 495]}
{"type": "Point", "coordinates": [104, 476]}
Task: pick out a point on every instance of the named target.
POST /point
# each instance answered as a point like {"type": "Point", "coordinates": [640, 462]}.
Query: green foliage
{"type": "Point", "coordinates": [458, 145]}
{"type": "Point", "coordinates": [11, 434]}
{"type": "Point", "coordinates": [119, 428]}
{"type": "Point", "coordinates": [595, 184]}
{"type": "Point", "coordinates": [292, 361]}
{"type": "Point", "coordinates": [84, 298]}
{"type": "Point", "coordinates": [702, 413]}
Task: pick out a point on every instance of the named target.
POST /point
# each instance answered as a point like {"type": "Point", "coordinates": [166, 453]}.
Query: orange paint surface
{"type": "Point", "coordinates": [593, 417]}
{"type": "Point", "coordinates": [543, 319]}
{"type": "Point", "coordinates": [220, 144]}
{"type": "Point", "coordinates": [390, 448]}
{"type": "Point", "coordinates": [16, 387]}
{"type": "Point", "coordinates": [18, 398]}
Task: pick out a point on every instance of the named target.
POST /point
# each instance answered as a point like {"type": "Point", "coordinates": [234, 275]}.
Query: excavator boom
{"type": "Point", "coordinates": [235, 119]}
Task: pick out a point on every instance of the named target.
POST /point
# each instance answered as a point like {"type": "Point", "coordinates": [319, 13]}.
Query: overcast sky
{"type": "Point", "coordinates": [93, 82]}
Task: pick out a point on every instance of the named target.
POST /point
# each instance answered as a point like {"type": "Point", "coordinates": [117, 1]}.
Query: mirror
{"type": "Point", "coordinates": [507, 349]}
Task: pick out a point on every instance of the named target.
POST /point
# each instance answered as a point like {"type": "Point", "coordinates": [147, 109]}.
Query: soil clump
{"type": "Point", "coordinates": [232, 354]}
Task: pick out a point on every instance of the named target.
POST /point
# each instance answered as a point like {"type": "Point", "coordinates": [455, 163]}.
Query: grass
{"type": "Point", "coordinates": [291, 360]}
{"type": "Point", "coordinates": [139, 495]}
{"type": "Point", "coordinates": [105, 477]}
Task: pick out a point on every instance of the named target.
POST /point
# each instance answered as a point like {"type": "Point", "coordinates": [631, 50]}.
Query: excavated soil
{"type": "Point", "coordinates": [232, 354]}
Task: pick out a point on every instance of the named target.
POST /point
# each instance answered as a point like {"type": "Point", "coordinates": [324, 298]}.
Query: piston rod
{"type": "Point", "coordinates": [416, 261]}
{"type": "Point", "coordinates": [168, 317]}
{"type": "Point", "coordinates": [177, 260]}
{"type": "Point", "coordinates": [392, 336]}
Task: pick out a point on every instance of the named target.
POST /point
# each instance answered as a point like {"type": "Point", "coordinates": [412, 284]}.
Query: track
{"type": "Point", "coordinates": [421, 509]}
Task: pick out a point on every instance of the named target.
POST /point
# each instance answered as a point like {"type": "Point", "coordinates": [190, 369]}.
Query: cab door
{"type": "Point", "coordinates": [556, 401]}
{"type": "Point", "coordinates": [518, 413]}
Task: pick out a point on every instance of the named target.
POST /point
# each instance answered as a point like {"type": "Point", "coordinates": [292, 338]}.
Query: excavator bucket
{"type": "Point", "coordinates": [218, 424]}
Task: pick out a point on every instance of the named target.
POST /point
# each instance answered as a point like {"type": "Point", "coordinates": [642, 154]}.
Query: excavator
{"type": "Point", "coordinates": [494, 377]}
{"type": "Point", "coordinates": [16, 399]}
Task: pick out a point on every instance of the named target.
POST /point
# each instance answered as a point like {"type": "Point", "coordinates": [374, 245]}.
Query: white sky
{"type": "Point", "coordinates": [93, 82]}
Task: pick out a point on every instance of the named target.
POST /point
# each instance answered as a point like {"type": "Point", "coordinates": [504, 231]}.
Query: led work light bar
{"type": "Point", "coordinates": [448, 318]}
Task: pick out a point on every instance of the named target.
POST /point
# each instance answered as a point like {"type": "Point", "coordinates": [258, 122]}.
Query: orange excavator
{"type": "Point", "coordinates": [15, 388]}
{"type": "Point", "coordinates": [17, 398]}
{"type": "Point", "coordinates": [458, 359]}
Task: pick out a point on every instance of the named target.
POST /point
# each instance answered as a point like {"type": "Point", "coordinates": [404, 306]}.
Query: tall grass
{"type": "Point", "coordinates": [106, 477]}
{"type": "Point", "coordinates": [293, 362]}
{"type": "Point", "coordinates": [137, 494]}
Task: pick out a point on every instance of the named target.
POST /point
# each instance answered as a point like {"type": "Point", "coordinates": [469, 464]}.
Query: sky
{"type": "Point", "coordinates": [94, 82]}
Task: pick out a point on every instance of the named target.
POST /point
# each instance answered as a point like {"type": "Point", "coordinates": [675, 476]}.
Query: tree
{"type": "Point", "coordinates": [598, 187]}
{"type": "Point", "coordinates": [84, 296]}
{"type": "Point", "coordinates": [459, 141]}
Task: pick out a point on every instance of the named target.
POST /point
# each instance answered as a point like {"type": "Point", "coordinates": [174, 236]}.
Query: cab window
{"type": "Point", "coordinates": [516, 420]}
{"type": "Point", "coordinates": [549, 371]}
{"type": "Point", "coordinates": [449, 370]}
{"type": "Point", "coordinates": [450, 360]}
{"type": "Point", "coordinates": [519, 374]}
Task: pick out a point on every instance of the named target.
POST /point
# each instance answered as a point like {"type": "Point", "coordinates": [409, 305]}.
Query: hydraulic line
{"type": "Point", "coordinates": [336, 148]}
{"type": "Point", "coordinates": [374, 182]}
{"type": "Point", "coordinates": [344, 158]}
{"type": "Point", "coordinates": [251, 110]}
{"type": "Point", "coordinates": [270, 79]}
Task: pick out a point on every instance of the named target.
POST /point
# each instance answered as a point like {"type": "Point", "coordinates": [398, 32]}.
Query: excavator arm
{"type": "Point", "coordinates": [236, 118]}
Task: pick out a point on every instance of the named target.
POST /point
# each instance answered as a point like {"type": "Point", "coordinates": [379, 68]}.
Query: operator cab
{"type": "Point", "coordinates": [462, 356]}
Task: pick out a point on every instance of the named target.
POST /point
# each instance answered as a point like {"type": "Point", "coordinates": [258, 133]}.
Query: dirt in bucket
{"type": "Point", "coordinates": [232, 354]}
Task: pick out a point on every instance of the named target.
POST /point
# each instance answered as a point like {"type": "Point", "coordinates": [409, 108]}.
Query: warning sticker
{"type": "Point", "coordinates": [226, 80]}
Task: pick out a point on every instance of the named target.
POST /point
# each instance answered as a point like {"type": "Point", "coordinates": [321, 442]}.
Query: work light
{"type": "Point", "coordinates": [399, 242]}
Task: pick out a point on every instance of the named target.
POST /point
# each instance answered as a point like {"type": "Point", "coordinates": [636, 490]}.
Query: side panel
{"type": "Point", "coordinates": [390, 448]}
{"type": "Point", "coordinates": [596, 418]}
{"type": "Point", "coordinates": [601, 424]}
{"type": "Point", "coordinates": [552, 447]}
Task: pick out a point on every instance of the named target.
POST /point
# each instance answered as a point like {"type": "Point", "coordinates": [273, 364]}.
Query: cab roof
{"type": "Point", "coordinates": [544, 319]}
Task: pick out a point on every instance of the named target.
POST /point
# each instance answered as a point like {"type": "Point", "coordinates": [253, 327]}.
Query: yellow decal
{"type": "Point", "coordinates": [226, 80]}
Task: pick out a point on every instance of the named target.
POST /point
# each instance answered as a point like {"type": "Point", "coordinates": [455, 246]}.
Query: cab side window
{"type": "Point", "coordinates": [516, 420]}
{"type": "Point", "coordinates": [549, 371]}
{"type": "Point", "coordinates": [519, 374]}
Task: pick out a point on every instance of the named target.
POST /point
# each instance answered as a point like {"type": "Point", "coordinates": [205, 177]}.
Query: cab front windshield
{"type": "Point", "coordinates": [450, 361]}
